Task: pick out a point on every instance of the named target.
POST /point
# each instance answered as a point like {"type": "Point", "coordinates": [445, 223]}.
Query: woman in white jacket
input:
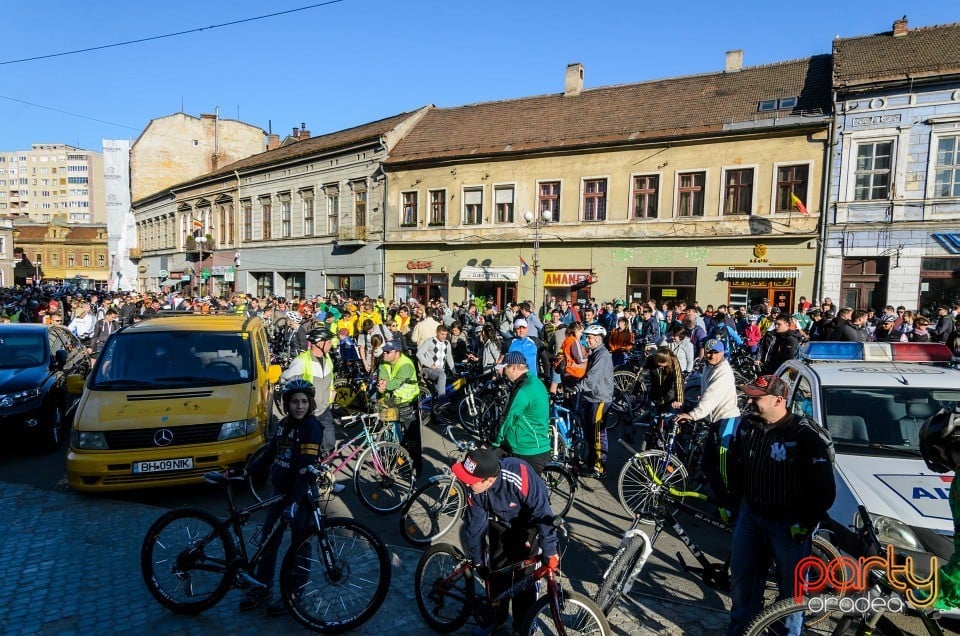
{"type": "Point", "coordinates": [681, 347]}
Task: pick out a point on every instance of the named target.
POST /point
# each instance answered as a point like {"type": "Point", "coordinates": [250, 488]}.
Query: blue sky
{"type": "Point", "coordinates": [355, 61]}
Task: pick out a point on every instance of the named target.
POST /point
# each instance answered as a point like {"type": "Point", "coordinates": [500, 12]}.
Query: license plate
{"type": "Point", "coordinates": [162, 465]}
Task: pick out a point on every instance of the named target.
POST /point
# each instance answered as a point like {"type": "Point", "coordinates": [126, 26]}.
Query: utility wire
{"type": "Point", "coordinates": [64, 112]}
{"type": "Point", "coordinates": [168, 35]}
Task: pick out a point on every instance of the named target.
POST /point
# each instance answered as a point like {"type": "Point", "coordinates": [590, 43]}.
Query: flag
{"type": "Point", "coordinates": [524, 268]}
{"type": "Point", "coordinates": [197, 224]}
{"type": "Point", "coordinates": [797, 203]}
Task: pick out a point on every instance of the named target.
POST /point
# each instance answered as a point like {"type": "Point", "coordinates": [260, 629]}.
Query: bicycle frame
{"type": "Point", "coordinates": [353, 448]}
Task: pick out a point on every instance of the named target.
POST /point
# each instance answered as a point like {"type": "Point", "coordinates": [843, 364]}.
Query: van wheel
{"type": "Point", "coordinates": [53, 430]}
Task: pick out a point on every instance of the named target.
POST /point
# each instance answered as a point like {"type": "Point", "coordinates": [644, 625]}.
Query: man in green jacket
{"type": "Point", "coordinates": [525, 431]}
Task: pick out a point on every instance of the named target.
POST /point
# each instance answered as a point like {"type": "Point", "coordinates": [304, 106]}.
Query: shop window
{"type": "Point", "coordinates": [661, 284]}
{"type": "Point", "coordinates": [264, 283]}
{"type": "Point", "coordinates": [295, 284]}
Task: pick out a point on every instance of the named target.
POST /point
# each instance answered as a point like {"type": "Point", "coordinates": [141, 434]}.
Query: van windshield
{"type": "Point", "coordinates": [887, 417]}
{"type": "Point", "coordinates": [172, 359]}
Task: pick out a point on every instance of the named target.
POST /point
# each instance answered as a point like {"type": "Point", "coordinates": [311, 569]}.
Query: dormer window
{"type": "Point", "coordinates": [788, 102]}
{"type": "Point", "coordinates": [767, 105]}
{"type": "Point", "coordinates": [770, 105]}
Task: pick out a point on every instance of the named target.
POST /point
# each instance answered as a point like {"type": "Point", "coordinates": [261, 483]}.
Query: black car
{"type": "Point", "coordinates": [35, 361]}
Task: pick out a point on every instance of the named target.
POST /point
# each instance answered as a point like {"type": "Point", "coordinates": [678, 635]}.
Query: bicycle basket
{"type": "Point", "coordinates": [389, 414]}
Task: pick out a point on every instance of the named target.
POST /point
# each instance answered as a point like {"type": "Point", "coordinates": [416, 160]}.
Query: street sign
{"type": "Point", "coordinates": [163, 273]}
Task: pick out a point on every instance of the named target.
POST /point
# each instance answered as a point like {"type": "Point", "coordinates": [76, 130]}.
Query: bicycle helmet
{"type": "Point", "coordinates": [294, 317]}
{"type": "Point", "coordinates": [298, 386]}
{"type": "Point", "coordinates": [595, 330]}
{"type": "Point", "coordinates": [319, 334]}
{"type": "Point", "coordinates": [939, 434]}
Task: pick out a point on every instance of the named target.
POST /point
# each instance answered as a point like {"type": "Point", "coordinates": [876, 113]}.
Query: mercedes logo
{"type": "Point", "coordinates": [163, 437]}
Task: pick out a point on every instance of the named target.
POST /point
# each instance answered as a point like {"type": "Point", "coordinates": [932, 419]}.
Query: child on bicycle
{"type": "Point", "coordinates": [940, 446]}
{"type": "Point", "coordinates": [294, 446]}
{"type": "Point", "coordinates": [507, 508]}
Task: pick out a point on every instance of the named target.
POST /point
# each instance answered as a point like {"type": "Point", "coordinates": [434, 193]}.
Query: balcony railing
{"type": "Point", "coordinates": [352, 234]}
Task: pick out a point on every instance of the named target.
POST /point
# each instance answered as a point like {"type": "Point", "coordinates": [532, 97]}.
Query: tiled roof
{"type": "Point", "coordinates": [31, 232]}
{"type": "Point", "coordinates": [672, 107]}
{"type": "Point", "coordinates": [84, 233]}
{"type": "Point", "coordinates": [920, 52]}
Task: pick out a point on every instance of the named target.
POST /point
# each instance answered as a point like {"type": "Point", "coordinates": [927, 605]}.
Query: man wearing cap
{"type": "Point", "coordinates": [944, 326]}
{"type": "Point", "coordinates": [523, 344]}
{"type": "Point", "coordinates": [398, 386]}
{"type": "Point", "coordinates": [525, 430]}
{"type": "Point", "coordinates": [508, 509]}
{"type": "Point", "coordinates": [781, 471]}
{"type": "Point", "coordinates": [596, 394]}
{"type": "Point", "coordinates": [718, 407]}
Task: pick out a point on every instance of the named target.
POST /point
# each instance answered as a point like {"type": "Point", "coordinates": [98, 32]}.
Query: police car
{"type": "Point", "coordinates": [873, 398]}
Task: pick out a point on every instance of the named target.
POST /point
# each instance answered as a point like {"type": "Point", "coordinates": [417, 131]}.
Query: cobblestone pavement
{"type": "Point", "coordinates": [69, 565]}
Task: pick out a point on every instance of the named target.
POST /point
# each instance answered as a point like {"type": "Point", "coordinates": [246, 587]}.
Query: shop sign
{"type": "Point", "coordinates": [163, 273]}
{"type": "Point", "coordinates": [565, 279]}
{"type": "Point", "coordinates": [419, 264]}
{"type": "Point", "coordinates": [759, 253]}
{"type": "Point", "coordinates": [668, 293]}
{"type": "Point", "coordinates": [221, 270]}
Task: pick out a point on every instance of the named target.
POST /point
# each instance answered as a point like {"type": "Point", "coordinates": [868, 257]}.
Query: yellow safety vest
{"type": "Point", "coordinates": [307, 374]}
{"type": "Point", "coordinates": [408, 391]}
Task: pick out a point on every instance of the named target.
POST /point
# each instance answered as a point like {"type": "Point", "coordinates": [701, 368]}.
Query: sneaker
{"type": "Point", "coordinates": [597, 474]}
{"type": "Point", "coordinates": [276, 607]}
{"type": "Point", "coordinates": [254, 598]}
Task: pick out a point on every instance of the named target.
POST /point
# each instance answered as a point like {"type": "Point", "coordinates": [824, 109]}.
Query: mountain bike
{"type": "Point", "coordinates": [874, 621]}
{"type": "Point", "coordinates": [445, 587]}
{"type": "Point", "coordinates": [383, 476]}
{"type": "Point", "coordinates": [435, 507]}
{"type": "Point", "coordinates": [332, 580]}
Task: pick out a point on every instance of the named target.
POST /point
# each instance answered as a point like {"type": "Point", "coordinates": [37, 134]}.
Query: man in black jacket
{"type": "Point", "coordinates": [782, 469]}
{"type": "Point", "coordinates": [944, 326]}
{"type": "Point", "coordinates": [784, 345]}
{"type": "Point", "coordinates": [854, 329]}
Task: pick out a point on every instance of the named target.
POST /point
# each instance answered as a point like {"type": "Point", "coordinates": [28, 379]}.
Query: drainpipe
{"type": "Point", "coordinates": [239, 233]}
{"type": "Point", "coordinates": [383, 215]}
{"type": "Point", "coordinates": [825, 205]}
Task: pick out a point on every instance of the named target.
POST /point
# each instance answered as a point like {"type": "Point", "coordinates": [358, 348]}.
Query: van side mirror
{"type": "Point", "coordinates": [273, 373]}
{"type": "Point", "coordinates": [75, 383]}
{"type": "Point", "coordinates": [60, 359]}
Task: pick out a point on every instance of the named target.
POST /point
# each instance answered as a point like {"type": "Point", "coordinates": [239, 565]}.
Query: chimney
{"type": "Point", "coordinates": [273, 141]}
{"type": "Point", "coordinates": [296, 133]}
{"type": "Point", "coordinates": [304, 133]}
{"type": "Point", "coordinates": [573, 84]}
{"type": "Point", "coordinates": [734, 61]}
{"type": "Point", "coordinates": [900, 27]}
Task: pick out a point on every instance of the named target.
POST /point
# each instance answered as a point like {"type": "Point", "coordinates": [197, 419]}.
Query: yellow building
{"type": "Point", "coordinates": [58, 252]}
{"type": "Point", "coordinates": [683, 188]}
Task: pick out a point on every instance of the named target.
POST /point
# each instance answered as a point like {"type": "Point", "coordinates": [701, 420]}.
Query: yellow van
{"type": "Point", "coordinates": [169, 399]}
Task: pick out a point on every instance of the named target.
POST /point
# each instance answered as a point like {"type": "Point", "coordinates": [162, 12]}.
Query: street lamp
{"type": "Point", "coordinates": [200, 241]}
{"type": "Point", "coordinates": [36, 277]}
{"type": "Point", "coordinates": [113, 268]}
{"type": "Point", "coordinates": [529, 217]}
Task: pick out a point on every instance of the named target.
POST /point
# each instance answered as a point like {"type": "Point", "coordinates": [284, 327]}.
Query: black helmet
{"type": "Point", "coordinates": [298, 386]}
{"type": "Point", "coordinates": [319, 334]}
{"type": "Point", "coordinates": [938, 434]}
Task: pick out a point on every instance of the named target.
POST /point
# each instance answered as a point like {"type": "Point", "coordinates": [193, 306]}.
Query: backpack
{"type": "Point", "coordinates": [823, 433]}
{"type": "Point", "coordinates": [560, 363]}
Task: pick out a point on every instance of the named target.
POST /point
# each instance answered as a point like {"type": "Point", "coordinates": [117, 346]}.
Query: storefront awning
{"type": "Point", "coordinates": [759, 272]}
{"type": "Point", "coordinates": [950, 242]}
{"type": "Point", "coordinates": [489, 274]}
{"type": "Point", "coordinates": [170, 282]}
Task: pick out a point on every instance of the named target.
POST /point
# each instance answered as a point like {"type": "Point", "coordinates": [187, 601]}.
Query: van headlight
{"type": "Point", "coordinates": [87, 440]}
{"type": "Point", "coordinates": [239, 428]}
{"type": "Point", "coordinates": [893, 531]}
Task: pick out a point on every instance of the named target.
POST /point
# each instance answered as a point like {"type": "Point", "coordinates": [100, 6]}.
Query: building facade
{"type": "Point", "coordinates": [61, 252]}
{"type": "Point", "coordinates": [303, 218]}
{"type": "Point", "coordinates": [52, 181]}
{"type": "Point", "coordinates": [7, 262]}
{"type": "Point", "coordinates": [679, 189]}
{"type": "Point", "coordinates": [893, 235]}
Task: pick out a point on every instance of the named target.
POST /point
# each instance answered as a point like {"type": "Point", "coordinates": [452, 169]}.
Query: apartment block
{"type": "Point", "coordinates": [52, 180]}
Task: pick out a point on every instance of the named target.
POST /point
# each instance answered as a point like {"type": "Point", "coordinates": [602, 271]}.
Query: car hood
{"type": "Point", "coordinates": [12, 380]}
{"type": "Point", "coordinates": [118, 410]}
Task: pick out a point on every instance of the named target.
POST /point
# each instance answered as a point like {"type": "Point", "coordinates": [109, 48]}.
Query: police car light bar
{"type": "Point", "coordinates": [876, 351]}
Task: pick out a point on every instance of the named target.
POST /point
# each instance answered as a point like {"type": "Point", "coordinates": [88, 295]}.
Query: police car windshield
{"type": "Point", "coordinates": [171, 359]}
{"type": "Point", "coordinates": [887, 418]}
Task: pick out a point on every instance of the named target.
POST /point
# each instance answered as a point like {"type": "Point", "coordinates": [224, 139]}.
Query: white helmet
{"type": "Point", "coordinates": [295, 317]}
{"type": "Point", "coordinates": [595, 330]}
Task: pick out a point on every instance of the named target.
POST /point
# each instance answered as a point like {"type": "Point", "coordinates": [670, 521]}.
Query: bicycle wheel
{"type": "Point", "coordinates": [258, 481]}
{"type": "Point", "coordinates": [385, 477]}
{"type": "Point", "coordinates": [184, 560]}
{"type": "Point", "coordinates": [348, 399]}
{"type": "Point", "coordinates": [827, 552]}
{"type": "Point", "coordinates": [578, 615]}
{"type": "Point", "coordinates": [624, 381]}
{"type": "Point", "coordinates": [468, 412]}
{"type": "Point", "coordinates": [432, 510]}
{"type": "Point", "coordinates": [637, 491]}
{"type": "Point", "coordinates": [621, 566]}
{"type": "Point", "coordinates": [337, 577]}
{"type": "Point", "coordinates": [444, 591]}
{"type": "Point", "coordinates": [561, 488]}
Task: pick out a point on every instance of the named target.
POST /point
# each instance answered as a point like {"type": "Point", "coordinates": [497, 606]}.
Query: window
{"type": "Point", "coordinates": [264, 283]}
{"type": "Point", "coordinates": [295, 284]}
{"type": "Point", "coordinates": [101, 261]}
{"type": "Point", "coordinates": [690, 193]}
{"type": "Point", "coordinates": [308, 214]}
{"type": "Point", "coordinates": [550, 199]}
{"type": "Point", "coordinates": [646, 192]}
{"type": "Point", "coordinates": [767, 105]}
{"type": "Point", "coordinates": [81, 180]}
{"type": "Point", "coordinates": [873, 171]}
{"type": "Point", "coordinates": [408, 216]}
{"type": "Point", "coordinates": [333, 209]}
{"type": "Point", "coordinates": [661, 284]}
{"type": "Point", "coordinates": [266, 218]}
{"type": "Point", "coordinates": [595, 200]}
{"type": "Point", "coordinates": [55, 259]}
{"type": "Point", "coordinates": [247, 221]}
{"type": "Point", "coordinates": [230, 221]}
{"type": "Point", "coordinates": [473, 206]}
{"type": "Point", "coordinates": [503, 200]}
{"type": "Point", "coordinates": [86, 260]}
{"type": "Point", "coordinates": [71, 260]}
{"type": "Point", "coordinates": [360, 207]}
{"type": "Point", "coordinates": [738, 191]}
{"type": "Point", "coordinates": [285, 215]}
{"type": "Point", "coordinates": [438, 207]}
{"type": "Point", "coordinates": [222, 213]}
{"type": "Point", "coordinates": [947, 170]}
{"type": "Point", "coordinates": [791, 180]}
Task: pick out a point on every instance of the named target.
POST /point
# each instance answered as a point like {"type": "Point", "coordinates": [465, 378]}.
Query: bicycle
{"type": "Point", "coordinates": [383, 477]}
{"type": "Point", "coordinates": [772, 619]}
{"type": "Point", "coordinates": [444, 585]}
{"type": "Point", "coordinates": [332, 580]}
{"type": "Point", "coordinates": [435, 507]}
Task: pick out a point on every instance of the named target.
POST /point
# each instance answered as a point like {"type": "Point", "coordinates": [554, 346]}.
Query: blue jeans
{"type": "Point", "coordinates": [755, 540]}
